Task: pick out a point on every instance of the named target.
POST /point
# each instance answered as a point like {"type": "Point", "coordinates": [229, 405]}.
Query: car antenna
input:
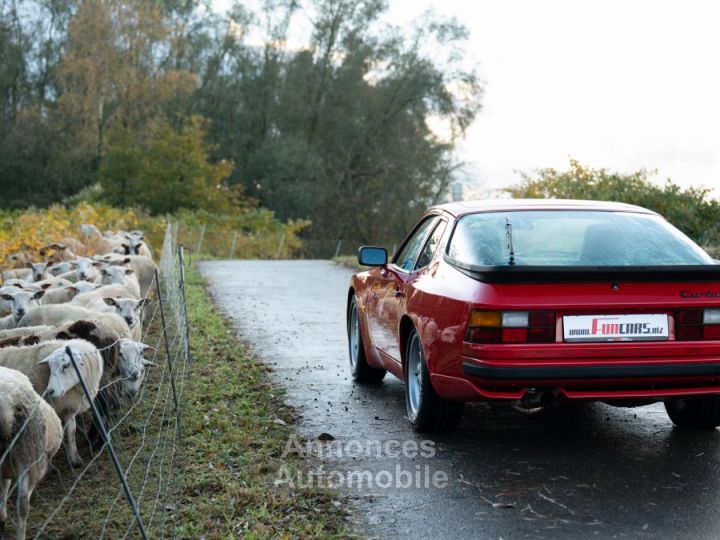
{"type": "Point", "coordinates": [509, 238]}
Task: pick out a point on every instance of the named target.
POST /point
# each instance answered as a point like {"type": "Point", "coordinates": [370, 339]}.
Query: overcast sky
{"type": "Point", "coordinates": [613, 83]}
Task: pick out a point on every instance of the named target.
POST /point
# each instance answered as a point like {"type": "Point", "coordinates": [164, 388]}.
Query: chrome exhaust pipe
{"type": "Point", "coordinates": [534, 401]}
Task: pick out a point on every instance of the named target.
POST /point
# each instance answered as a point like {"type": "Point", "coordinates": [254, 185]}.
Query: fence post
{"type": "Point", "coordinates": [337, 249]}
{"type": "Point", "coordinates": [106, 439]}
{"type": "Point", "coordinates": [167, 350]}
{"type": "Point", "coordinates": [280, 247]}
{"type": "Point", "coordinates": [232, 248]}
{"type": "Point", "coordinates": [200, 240]}
{"type": "Point", "coordinates": [175, 232]}
{"type": "Point", "coordinates": [181, 262]}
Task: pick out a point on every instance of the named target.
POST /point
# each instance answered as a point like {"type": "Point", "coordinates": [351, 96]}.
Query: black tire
{"type": "Point", "coordinates": [361, 371]}
{"type": "Point", "coordinates": [426, 410]}
{"type": "Point", "coordinates": [697, 413]}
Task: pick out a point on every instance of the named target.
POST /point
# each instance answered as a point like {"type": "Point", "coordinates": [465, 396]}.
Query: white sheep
{"type": "Point", "coordinates": [59, 295]}
{"type": "Point", "coordinates": [19, 259]}
{"type": "Point", "coordinates": [56, 315]}
{"type": "Point", "coordinates": [135, 244]}
{"type": "Point", "coordinates": [106, 331]}
{"type": "Point", "coordinates": [132, 365]}
{"type": "Point", "coordinates": [60, 268]}
{"type": "Point", "coordinates": [63, 295]}
{"type": "Point", "coordinates": [96, 242]}
{"type": "Point", "coordinates": [144, 268]}
{"type": "Point", "coordinates": [125, 277]}
{"type": "Point", "coordinates": [27, 335]}
{"type": "Point", "coordinates": [17, 273]}
{"type": "Point", "coordinates": [86, 269]}
{"type": "Point", "coordinates": [6, 305]}
{"type": "Point", "coordinates": [53, 281]}
{"type": "Point", "coordinates": [15, 282]}
{"type": "Point", "coordinates": [39, 271]}
{"type": "Point", "coordinates": [35, 432]}
{"type": "Point", "coordinates": [128, 309]}
{"type": "Point", "coordinates": [65, 250]}
{"type": "Point", "coordinates": [21, 302]}
{"type": "Point", "coordinates": [49, 368]}
{"type": "Point", "coordinates": [71, 276]}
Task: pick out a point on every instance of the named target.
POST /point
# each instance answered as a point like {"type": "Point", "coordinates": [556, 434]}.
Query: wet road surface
{"type": "Point", "coordinates": [584, 472]}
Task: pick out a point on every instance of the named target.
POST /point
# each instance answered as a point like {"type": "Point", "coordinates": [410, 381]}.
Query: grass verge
{"type": "Point", "coordinates": [235, 428]}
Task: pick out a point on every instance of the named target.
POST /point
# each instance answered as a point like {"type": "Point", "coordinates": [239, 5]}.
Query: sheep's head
{"type": "Point", "coordinates": [39, 271]}
{"type": "Point", "coordinates": [19, 260]}
{"type": "Point", "coordinates": [133, 244]}
{"type": "Point", "coordinates": [133, 365]}
{"type": "Point", "coordinates": [54, 252]}
{"type": "Point", "coordinates": [63, 376]}
{"type": "Point", "coordinates": [85, 286]}
{"type": "Point", "coordinates": [87, 269]}
{"type": "Point", "coordinates": [59, 268]}
{"type": "Point", "coordinates": [22, 301]}
{"type": "Point", "coordinates": [114, 274]}
{"type": "Point", "coordinates": [6, 304]}
{"type": "Point", "coordinates": [127, 308]}
{"type": "Point", "coordinates": [116, 261]}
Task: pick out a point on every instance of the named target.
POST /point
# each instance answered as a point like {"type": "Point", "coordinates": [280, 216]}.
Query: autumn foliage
{"type": "Point", "coordinates": [259, 233]}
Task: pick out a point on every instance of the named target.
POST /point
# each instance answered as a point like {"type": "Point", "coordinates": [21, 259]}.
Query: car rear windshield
{"type": "Point", "coordinates": [571, 238]}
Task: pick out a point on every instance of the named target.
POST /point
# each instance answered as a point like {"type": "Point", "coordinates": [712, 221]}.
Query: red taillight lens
{"type": "Point", "coordinates": [541, 335]}
{"type": "Point", "coordinates": [697, 324]}
{"type": "Point", "coordinates": [514, 335]}
{"type": "Point", "coordinates": [711, 331]}
{"type": "Point", "coordinates": [541, 318]}
{"type": "Point", "coordinates": [485, 335]}
{"type": "Point", "coordinates": [689, 316]}
{"type": "Point", "coordinates": [511, 326]}
{"type": "Point", "coordinates": [689, 332]}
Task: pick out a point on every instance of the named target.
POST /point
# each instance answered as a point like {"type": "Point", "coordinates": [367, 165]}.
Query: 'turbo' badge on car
{"type": "Point", "coordinates": [699, 294]}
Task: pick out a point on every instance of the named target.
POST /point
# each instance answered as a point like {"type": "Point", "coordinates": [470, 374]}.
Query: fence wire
{"type": "Point", "coordinates": [217, 242]}
{"type": "Point", "coordinates": [125, 486]}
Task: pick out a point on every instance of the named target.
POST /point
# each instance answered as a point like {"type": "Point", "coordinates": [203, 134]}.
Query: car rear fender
{"type": "Point", "coordinates": [406, 327]}
{"type": "Point", "coordinates": [351, 293]}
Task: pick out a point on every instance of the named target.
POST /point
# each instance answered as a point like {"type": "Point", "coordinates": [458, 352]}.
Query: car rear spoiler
{"type": "Point", "coordinates": [588, 274]}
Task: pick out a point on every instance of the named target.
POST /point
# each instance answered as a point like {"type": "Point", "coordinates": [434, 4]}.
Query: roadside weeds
{"type": "Point", "coordinates": [234, 429]}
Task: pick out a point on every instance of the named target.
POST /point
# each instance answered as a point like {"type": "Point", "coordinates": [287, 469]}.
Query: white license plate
{"type": "Point", "coordinates": [650, 327]}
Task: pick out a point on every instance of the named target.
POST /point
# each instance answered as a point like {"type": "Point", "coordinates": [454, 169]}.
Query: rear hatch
{"type": "Point", "coordinates": [608, 314]}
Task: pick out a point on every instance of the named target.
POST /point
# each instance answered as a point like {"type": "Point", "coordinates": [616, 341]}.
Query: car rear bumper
{"type": "Point", "coordinates": [505, 373]}
{"type": "Point", "coordinates": [589, 379]}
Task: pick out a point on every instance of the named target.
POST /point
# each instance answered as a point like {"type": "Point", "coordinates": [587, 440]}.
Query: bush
{"type": "Point", "coordinates": [260, 233]}
{"type": "Point", "coordinates": [690, 210]}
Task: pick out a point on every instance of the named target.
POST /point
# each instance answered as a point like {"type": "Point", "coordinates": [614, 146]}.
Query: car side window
{"type": "Point", "coordinates": [431, 246]}
{"type": "Point", "coordinates": [409, 252]}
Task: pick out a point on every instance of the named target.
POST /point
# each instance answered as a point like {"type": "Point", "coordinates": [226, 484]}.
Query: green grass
{"type": "Point", "coordinates": [232, 444]}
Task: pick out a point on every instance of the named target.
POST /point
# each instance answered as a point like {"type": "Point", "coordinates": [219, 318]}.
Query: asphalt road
{"type": "Point", "coordinates": [591, 471]}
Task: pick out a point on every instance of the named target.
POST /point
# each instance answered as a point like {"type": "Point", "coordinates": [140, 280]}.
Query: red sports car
{"type": "Point", "coordinates": [537, 302]}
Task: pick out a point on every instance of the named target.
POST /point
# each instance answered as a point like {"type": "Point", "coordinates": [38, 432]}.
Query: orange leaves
{"type": "Point", "coordinates": [30, 230]}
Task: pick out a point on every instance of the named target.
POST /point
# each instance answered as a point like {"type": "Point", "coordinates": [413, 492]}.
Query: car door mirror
{"type": "Point", "coordinates": [372, 256]}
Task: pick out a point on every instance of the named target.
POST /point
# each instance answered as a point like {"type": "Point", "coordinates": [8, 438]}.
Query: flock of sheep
{"type": "Point", "coordinates": [93, 306]}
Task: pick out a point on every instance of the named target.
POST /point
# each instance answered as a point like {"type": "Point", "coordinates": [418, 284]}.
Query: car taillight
{"type": "Point", "coordinates": [697, 324]}
{"type": "Point", "coordinates": [511, 326]}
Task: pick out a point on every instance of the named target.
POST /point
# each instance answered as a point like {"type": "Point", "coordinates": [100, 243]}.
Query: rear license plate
{"type": "Point", "coordinates": [650, 327]}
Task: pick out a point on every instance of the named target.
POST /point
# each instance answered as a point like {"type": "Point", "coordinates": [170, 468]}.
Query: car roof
{"type": "Point", "coordinates": [505, 205]}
